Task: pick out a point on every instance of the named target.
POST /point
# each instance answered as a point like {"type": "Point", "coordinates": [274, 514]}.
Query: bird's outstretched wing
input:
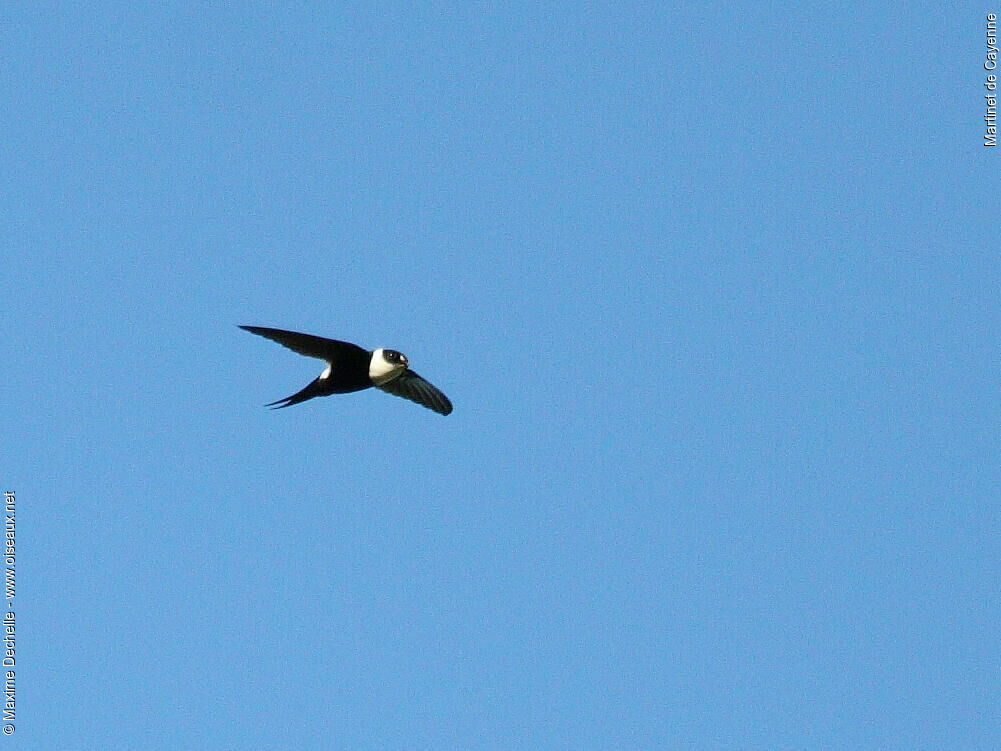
{"type": "Point", "coordinates": [411, 386]}
{"type": "Point", "coordinates": [307, 344]}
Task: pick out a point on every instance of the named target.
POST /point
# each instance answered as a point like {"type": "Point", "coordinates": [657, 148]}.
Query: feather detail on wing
{"type": "Point", "coordinates": [411, 386]}
{"type": "Point", "coordinates": [307, 344]}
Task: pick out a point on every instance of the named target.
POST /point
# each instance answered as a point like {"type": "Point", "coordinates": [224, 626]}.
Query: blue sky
{"type": "Point", "coordinates": [713, 288]}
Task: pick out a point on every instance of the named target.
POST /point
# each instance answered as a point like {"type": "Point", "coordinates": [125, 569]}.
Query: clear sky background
{"type": "Point", "coordinates": [714, 289]}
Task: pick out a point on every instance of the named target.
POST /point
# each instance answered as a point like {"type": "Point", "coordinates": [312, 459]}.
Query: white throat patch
{"type": "Point", "coordinates": [382, 371]}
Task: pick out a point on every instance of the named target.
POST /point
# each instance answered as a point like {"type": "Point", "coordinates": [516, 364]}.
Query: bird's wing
{"type": "Point", "coordinates": [307, 344]}
{"type": "Point", "coordinates": [411, 386]}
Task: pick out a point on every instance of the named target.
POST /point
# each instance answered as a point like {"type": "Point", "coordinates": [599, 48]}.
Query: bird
{"type": "Point", "coordinates": [353, 368]}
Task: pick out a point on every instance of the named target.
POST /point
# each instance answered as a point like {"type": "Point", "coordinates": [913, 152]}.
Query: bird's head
{"type": "Point", "coordinates": [386, 364]}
